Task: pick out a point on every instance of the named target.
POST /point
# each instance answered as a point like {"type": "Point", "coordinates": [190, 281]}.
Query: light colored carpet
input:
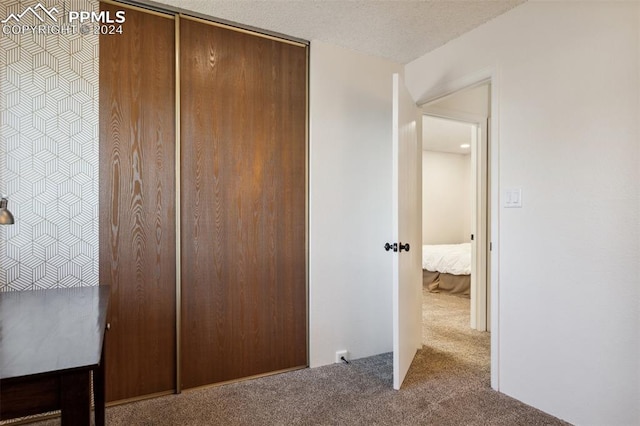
{"type": "Point", "coordinates": [448, 384]}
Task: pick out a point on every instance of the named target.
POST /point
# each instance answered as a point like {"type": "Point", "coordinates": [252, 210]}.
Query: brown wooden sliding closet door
{"type": "Point", "coordinates": [137, 203]}
{"type": "Point", "coordinates": [243, 109]}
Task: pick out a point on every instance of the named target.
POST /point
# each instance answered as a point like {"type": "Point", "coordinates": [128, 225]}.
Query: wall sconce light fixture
{"type": "Point", "coordinates": [6, 218]}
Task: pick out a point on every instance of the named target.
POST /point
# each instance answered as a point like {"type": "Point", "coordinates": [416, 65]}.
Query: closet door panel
{"type": "Point", "coordinates": [243, 198]}
{"type": "Point", "coordinates": [137, 203]}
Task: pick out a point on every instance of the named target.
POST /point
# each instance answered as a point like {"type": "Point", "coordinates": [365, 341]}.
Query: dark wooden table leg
{"type": "Point", "coordinates": [99, 391]}
{"type": "Point", "coordinates": [75, 398]}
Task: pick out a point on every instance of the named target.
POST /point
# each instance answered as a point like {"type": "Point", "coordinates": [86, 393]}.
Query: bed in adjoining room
{"type": "Point", "coordinates": [447, 268]}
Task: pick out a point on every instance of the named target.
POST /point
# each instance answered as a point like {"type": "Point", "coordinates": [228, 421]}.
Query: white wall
{"type": "Point", "coordinates": [350, 203]}
{"type": "Point", "coordinates": [567, 76]}
{"type": "Point", "coordinates": [446, 198]}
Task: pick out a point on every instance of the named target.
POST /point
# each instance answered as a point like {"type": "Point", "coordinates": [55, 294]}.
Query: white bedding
{"type": "Point", "coordinates": [447, 258]}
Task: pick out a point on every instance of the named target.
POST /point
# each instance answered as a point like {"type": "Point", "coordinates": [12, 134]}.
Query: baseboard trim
{"type": "Point", "coordinates": [140, 398]}
{"type": "Point", "coordinates": [243, 379]}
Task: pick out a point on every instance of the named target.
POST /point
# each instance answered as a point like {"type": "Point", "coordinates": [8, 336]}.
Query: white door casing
{"type": "Point", "coordinates": [475, 314]}
{"type": "Point", "coordinates": [406, 222]}
{"type": "Point", "coordinates": [480, 254]}
{"type": "Point", "coordinates": [479, 249]}
{"type": "Point", "coordinates": [446, 88]}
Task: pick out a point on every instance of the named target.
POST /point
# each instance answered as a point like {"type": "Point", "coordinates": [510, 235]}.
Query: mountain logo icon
{"type": "Point", "coordinates": [39, 11]}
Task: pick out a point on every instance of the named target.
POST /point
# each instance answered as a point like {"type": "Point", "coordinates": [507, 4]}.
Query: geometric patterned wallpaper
{"type": "Point", "coordinates": [48, 150]}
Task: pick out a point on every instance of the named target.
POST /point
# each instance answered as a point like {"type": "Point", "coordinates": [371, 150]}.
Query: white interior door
{"type": "Point", "coordinates": [407, 272]}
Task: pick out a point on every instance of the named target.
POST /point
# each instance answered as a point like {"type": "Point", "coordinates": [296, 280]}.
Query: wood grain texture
{"type": "Point", "coordinates": [243, 104]}
{"type": "Point", "coordinates": [137, 197]}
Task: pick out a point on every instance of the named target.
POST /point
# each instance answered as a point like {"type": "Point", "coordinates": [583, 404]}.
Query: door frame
{"type": "Point", "coordinates": [488, 75]}
{"type": "Point", "coordinates": [480, 320]}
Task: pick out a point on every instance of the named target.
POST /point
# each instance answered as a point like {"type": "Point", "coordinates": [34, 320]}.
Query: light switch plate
{"type": "Point", "coordinates": [513, 198]}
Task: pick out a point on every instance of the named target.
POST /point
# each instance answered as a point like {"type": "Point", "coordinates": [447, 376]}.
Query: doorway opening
{"type": "Point", "coordinates": [455, 230]}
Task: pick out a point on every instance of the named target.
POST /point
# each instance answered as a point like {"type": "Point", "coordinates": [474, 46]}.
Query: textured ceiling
{"type": "Point", "coordinates": [399, 30]}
